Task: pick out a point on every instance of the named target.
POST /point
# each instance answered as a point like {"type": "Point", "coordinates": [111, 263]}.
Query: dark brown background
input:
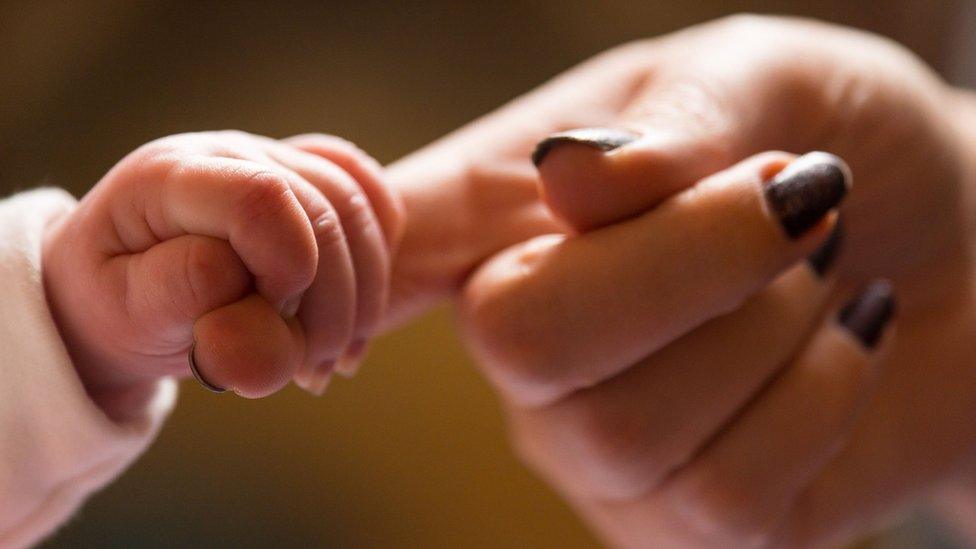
{"type": "Point", "coordinates": [412, 452]}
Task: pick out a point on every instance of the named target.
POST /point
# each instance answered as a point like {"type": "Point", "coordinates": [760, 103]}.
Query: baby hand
{"type": "Point", "coordinates": [266, 260]}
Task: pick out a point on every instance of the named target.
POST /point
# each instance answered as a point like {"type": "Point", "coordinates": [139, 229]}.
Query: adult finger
{"type": "Point", "coordinates": [621, 438]}
{"type": "Point", "coordinates": [557, 314]}
{"type": "Point", "coordinates": [713, 97]}
{"type": "Point", "coordinates": [740, 488]}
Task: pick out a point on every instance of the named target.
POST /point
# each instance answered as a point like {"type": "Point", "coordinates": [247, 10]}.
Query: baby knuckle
{"type": "Point", "coordinates": [233, 135]}
{"type": "Point", "coordinates": [153, 161]}
{"type": "Point", "coordinates": [333, 146]}
{"type": "Point", "coordinates": [749, 24]}
{"type": "Point", "coordinates": [147, 154]}
{"type": "Point", "coordinates": [211, 266]}
{"type": "Point", "coordinates": [268, 205]}
{"type": "Point", "coordinates": [328, 229]}
{"type": "Point", "coordinates": [342, 147]}
{"type": "Point", "coordinates": [327, 141]}
{"type": "Point", "coordinates": [358, 213]}
{"type": "Point", "coordinates": [176, 146]}
{"type": "Point", "coordinates": [266, 195]}
{"type": "Point", "coordinates": [161, 146]}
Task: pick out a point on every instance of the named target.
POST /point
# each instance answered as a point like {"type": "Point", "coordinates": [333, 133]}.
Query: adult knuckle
{"type": "Point", "coordinates": [725, 510]}
{"type": "Point", "coordinates": [610, 449]}
{"type": "Point", "coordinates": [512, 353]}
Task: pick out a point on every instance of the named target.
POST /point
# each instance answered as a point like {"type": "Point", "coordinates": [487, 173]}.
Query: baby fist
{"type": "Point", "coordinates": [267, 259]}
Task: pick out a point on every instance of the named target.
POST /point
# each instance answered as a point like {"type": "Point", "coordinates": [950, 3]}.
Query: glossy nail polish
{"type": "Point", "coordinates": [866, 315]}
{"type": "Point", "coordinates": [604, 139]}
{"type": "Point", "coordinates": [822, 259]}
{"type": "Point", "coordinates": [802, 193]}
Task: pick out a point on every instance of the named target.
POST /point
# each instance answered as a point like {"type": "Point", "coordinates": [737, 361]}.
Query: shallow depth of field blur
{"type": "Point", "coordinates": [412, 452]}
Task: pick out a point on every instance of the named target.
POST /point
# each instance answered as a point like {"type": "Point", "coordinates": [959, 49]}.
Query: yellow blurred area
{"type": "Point", "coordinates": [409, 453]}
{"type": "Point", "coordinates": [412, 452]}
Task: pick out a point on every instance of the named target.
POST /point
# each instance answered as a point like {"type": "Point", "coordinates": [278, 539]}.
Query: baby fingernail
{"type": "Point", "coordinates": [823, 257]}
{"type": "Point", "coordinates": [604, 139]}
{"type": "Point", "coordinates": [349, 363]}
{"type": "Point", "coordinates": [866, 315]}
{"type": "Point", "coordinates": [290, 307]}
{"type": "Point", "coordinates": [319, 384]}
{"type": "Point", "coordinates": [317, 381]}
{"type": "Point", "coordinates": [802, 193]}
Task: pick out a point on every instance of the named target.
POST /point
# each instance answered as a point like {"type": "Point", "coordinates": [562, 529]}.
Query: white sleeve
{"type": "Point", "coordinates": [56, 445]}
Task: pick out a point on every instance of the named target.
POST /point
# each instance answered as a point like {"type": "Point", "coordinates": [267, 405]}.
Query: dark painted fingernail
{"type": "Point", "coordinates": [802, 193]}
{"type": "Point", "coordinates": [866, 315]}
{"type": "Point", "coordinates": [604, 139]}
{"type": "Point", "coordinates": [822, 259]}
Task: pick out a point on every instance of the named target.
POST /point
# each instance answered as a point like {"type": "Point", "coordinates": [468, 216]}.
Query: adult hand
{"type": "Point", "coordinates": [693, 104]}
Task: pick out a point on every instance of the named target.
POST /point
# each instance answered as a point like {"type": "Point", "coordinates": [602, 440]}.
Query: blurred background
{"type": "Point", "coordinates": [413, 451]}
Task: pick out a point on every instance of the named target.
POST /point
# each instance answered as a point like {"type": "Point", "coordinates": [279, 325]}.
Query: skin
{"type": "Point", "coordinates": [649, 436]}
{"type": "Point", "coordinates": [789, 437]}
{"type": "Point", "coordinates": [232, 241]}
